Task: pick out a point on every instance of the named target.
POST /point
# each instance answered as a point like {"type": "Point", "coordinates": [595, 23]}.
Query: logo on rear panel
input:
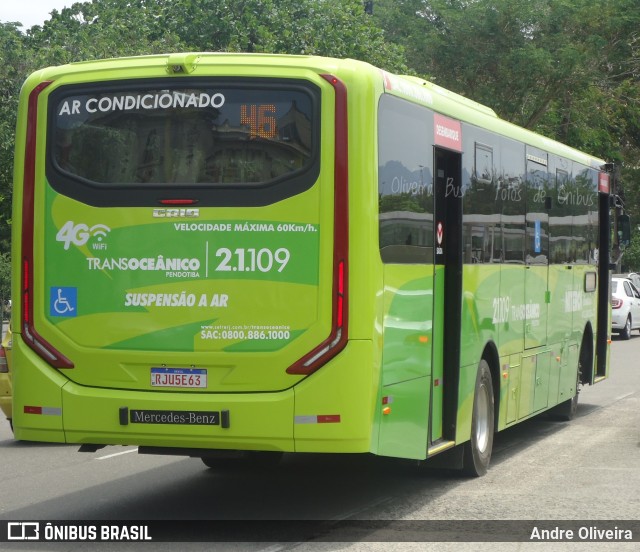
{"type": "Point", "coordinates": [80, 234]}
{"type": "Point", "coordinates": [176, 213]}
{"type": "Point", "coordinates": [64, 302]}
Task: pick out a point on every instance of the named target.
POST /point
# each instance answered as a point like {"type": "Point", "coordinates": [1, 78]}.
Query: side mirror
{"type": "Point", "coordinates": [624, 230]}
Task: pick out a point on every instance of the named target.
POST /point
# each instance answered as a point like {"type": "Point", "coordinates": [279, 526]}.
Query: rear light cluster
{"type": "Point", "coordinates": [616, 303]}
{"type": "Point", "coordinates": [31, 337]}
{"type": "Point", "coordinates": [337, 339]}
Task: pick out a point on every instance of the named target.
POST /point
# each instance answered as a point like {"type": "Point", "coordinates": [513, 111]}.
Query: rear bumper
{"type": "Point", "coordinates": [329, 411]}
{"type": "Point", "coordinates": [618, 319]}
{"type": "Point", "coordinates": [261, 422]}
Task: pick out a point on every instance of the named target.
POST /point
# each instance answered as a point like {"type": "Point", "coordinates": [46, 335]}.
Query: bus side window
{"type": "Point", "coordinates": [405, 189]}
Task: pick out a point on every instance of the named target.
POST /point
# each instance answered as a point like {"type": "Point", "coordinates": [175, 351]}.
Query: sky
{"type": "Point", "coordinates": [30, 12]}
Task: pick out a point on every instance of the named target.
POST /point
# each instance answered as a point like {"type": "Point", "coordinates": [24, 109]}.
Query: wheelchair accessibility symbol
{"type": "Point", "coordinates": [64, 301]}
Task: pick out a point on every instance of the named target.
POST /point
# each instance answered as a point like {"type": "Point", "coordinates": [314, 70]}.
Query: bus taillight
{"type": "Point", "coordinates": [337, 339]}
{"type": "Point", "coordinates": [31, 337]}
{"type": "Point", "coordinates": [26, 293]}
{"type": "Point", "coordinates": [340, 297]}
{"type": "Point", "coordinates": [178, 201]}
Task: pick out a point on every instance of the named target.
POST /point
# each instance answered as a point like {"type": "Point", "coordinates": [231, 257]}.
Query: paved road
{"type": "Point", "coordinates": [588, 469]}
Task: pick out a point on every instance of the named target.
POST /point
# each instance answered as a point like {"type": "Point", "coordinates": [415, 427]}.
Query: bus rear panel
{"type": "Point", "coordinates": [184, 247]}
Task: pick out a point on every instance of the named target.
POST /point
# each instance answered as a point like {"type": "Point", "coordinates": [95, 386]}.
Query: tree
{"type": "Point", "coordinates": [547, 65]}
{"type": "Point", "coordinates": [631, 257]}
{"type": "Point", "coordinates": [14, 59]}
{"type": "Point", "coordinates": [101, 29]}
{"type": "Point", "coordinates": [338, 28]}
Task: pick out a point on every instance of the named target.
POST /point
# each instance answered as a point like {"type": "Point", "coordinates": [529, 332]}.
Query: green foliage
{"type": "Point", "coordinates": [14, 58]}
{"type": "Point", "coordinates": [337, 28]}
{"type": "Point", "coordinates": [101, 29]}
{"type": "Point", "coordinates": [631, 257]}
{"type": "Point", "coordinates": [530, 61]}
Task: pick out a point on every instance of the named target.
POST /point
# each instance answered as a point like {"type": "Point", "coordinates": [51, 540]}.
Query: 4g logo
{"type": "Point", "coordinates": [80, 234]}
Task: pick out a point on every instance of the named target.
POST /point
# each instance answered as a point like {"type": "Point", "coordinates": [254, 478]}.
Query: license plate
{"type": "Point", "coordinates": [182, 378]}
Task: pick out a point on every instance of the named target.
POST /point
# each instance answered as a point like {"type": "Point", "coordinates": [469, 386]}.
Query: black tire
{"type": "Point", "coordinates": [625, 333]}
{"type": "Point", "coordinates": [477, 451]}
{"type": "Point", "coordinates": [566, 411]}
{"type": "Point", "coordinates": [243, 460]}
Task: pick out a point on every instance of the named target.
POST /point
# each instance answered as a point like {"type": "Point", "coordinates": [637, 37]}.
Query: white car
{"type": "Point", "coordinates": [635, 279]}
{"type": "Point", "coordinates": [625, 307]}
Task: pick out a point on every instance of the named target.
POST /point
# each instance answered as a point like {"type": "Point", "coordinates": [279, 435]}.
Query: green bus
{"type": "Point", "coordinates": [236, 256]}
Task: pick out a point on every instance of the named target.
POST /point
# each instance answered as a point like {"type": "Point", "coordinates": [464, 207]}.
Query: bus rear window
{"type": "Point", "coordinates": [211, 134]}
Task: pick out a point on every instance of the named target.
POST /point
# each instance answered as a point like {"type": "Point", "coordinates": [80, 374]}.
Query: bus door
{"type": "Point", "coordinates": [536, 287]}
{"type": "Point", "coordinates": [561, 250]}
{"type": "Point", "coordinates": [447, 294]}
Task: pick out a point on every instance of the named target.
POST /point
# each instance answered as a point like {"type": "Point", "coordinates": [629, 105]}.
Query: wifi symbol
{"type": "Point", "coordinates": [99, 231]}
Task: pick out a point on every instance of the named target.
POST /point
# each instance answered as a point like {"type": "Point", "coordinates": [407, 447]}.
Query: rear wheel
{"type": "Point", "coordinates": [626, 331]}
{"type": "Point", "coordinates": [566, 411]}
{"type": "Point", "coordinates": [477, 451]}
